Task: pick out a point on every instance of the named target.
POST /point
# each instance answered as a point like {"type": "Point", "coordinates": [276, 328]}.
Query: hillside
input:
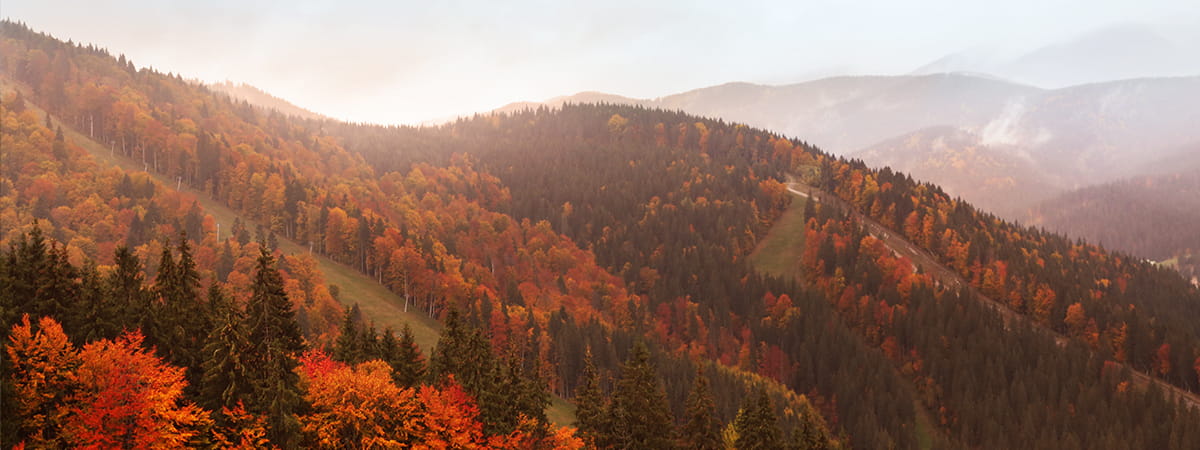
{"type": "Point", "coordinates": [1058, 139]}
{"type": "Point", "coordinates": [1153, 217]}
{"type": "Point", "coordinates": [997, 177]}
{"type": "Point", "coordinates": [601, 253]}
{"type": "Point", "coordinates": [905, 314]}
{"type": "Point", "coordinates": [430, 233]}
{"type": "Point", "coordinates": [256, 97]}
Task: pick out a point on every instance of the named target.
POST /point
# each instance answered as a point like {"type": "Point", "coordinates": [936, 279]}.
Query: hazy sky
{"type": "Point", "coordinates": [408, 61]}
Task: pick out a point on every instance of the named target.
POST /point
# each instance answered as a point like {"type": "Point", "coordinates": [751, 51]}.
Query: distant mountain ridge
{"type": "Point", "coordinates": [1115, 52]}
{"type": "Point", "coordinates": [1068, 138]}
{"type": "Point", "coordinates": [1153, 217]}
{"type": "Point", "coordinates": [260, 98]}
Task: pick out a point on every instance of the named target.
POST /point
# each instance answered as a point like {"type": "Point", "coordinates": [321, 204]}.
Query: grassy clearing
{"type": "Point", "coordinates": [377, 303]}
{"type": "Point", "coordinates": [779, 253]}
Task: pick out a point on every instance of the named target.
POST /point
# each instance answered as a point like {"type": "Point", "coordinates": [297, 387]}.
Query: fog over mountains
{"type": "Point", "coordinates": [1115, 52]}
{"type": "Point", "coordinates": [959, 129]}
{"type": "Point", "coordinates": [1005, 133]}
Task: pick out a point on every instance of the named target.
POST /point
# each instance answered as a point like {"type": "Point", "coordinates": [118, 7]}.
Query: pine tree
{"type": "Point", "coordinates": [227, 377]}
{"type": "Point", "coordinates": [39, 281]}
{"type": "Point", "coordinates": [809, 433]}
{"type": "Point", "coordinates": [589, 405]}
{"type": "Point", "coordinates": [275, 342]}
{"type": "Point", "coordinates": [181, 324]}
{"type": "Point", "coordinates": [368, 341]}
{"type": "Point", "coordinates": [346, 348]}
{"type": "Point", "coordinates": [640, 415]}
{"type": "Point", "coordinates": [466, 353]}
{"type": "Point", "coordinates": [124, 285]}
{"type": "Point", "coordinates": [99, 316]}
{"type": "Point", "coordinates": [756, 424]}
{"type": "Point", "coordinates": [702, 430]}
{"type": "Point", "coordinates": [459, 352]}
{"type": "Point", "coordinates": [409, 367]}
{"type": "Point", "coordinates": [534, 396]}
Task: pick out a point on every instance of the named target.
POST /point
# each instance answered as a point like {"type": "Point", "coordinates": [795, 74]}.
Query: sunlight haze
{"type": "Point", "coordinates": [408, 62]}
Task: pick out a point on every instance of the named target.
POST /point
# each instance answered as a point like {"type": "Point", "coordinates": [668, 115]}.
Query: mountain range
{"type": "Point", "coordinates": [568, 277]}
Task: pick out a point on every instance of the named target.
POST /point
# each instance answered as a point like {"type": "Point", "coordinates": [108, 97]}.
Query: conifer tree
{"type": "Point", "coordinates": [227, 377]}
{"type": "Point", "coordinates": [589, 404]}
{"type": "Point", "coordinates": [409, 367]}
{"type": "Point", "coordinates": [181, 322]}
{"type": "Point", "coordinates": [38, 280]}
{"type": "Point", "coordinates": [124, 285]}
{"type": "Point", "coordinates": [346, 348]}
{"type": "Point", "coordinates": [702, 430]}
{"type": "Point", "coordinates": [467, 354]}
{"type": "Point", "coordinates": [275, 342]}
{"type": "Point", "coordinates": [534, 396]}
{"type": "Point", "coordinates": [756, 424]}
{"type": "Point", "coordinates": [99, 316]}
{"type": "Point", "coordinates": [640, 415]}
{"type": "Point", "coordinates": [463, 352]}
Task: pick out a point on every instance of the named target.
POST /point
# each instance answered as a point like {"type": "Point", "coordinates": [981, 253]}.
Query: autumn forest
{"type": "Point", "coordinates": [183, 268]}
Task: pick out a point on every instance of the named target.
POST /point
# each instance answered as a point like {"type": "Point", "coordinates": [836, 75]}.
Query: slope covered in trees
{"type": "Point", "coordinates": [429, 232]}
{"type": "Point", "coordinates": [1153, 217]}
{"type": "Point", "coordinates": [594, 251]}
{"type": "Point", "coordinates": [562, 175]}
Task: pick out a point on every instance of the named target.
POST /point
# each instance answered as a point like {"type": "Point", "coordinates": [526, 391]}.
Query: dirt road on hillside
{"type": "Point", "coordinates": [927, 263]}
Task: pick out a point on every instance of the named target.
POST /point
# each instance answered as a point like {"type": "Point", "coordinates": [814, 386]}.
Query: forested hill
{"type": "Point", "coordinates": [532, 303]}
{"type": "Point", "coordinates": [1154, 217]}
{"type": "Point", "coordinates": [592, 169]}
{"type": "Point", "coordinates": [596, 252]}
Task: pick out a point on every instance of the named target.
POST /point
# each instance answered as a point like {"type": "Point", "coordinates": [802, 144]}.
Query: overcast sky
{"type": "Point", "coordinates": [409, 61]}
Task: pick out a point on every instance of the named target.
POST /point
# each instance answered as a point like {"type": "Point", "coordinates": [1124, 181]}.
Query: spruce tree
{"type": "Point", "coordinates": [346, 348]}
{"type": "Point", "coordinates": [99, 315]}
{"type": "Point", "coordinates": [40, 281]}
{"type": "Point", "coordinates": [124, 285]}
{"type": "Point", "coordinates": [590, 414]}
{"type": "Point", "coordinates": [702, 430]}
{"type": "Point", "coordinates": [756, 424]}
{"type": "Point", "coordinates": [275, 342]}
{"type": "Point", "coordinates": [181, 322]}
{"type": "Point", "coordinates": [534, 396]}
{"type": "Point", "coordinates": [466, 353]}
{"type": "Point", "coordinates": [409, 367]}
{"type": "Point", "coordinates": [227, 377]}
{"type": "Point", "coordinates": [640, 415]}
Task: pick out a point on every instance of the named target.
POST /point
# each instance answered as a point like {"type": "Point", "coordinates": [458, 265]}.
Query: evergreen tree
{"type": "Point", "coordinates": [389, 348]}
{"type": "Point", "coordinates": [225, 261]}
{"type": "Point", "coordinates": [463, 352]}
{"type": "Point", "coordinates": [466, 353]}
{"type": "Point", "coordinates": [368, 341]}
{"type": "Point", "coordinates": [640, 415]}
{"type": "Point", "coordinates": [39, 281]}
{"type": "Point", "coordinates": [124, 285]}
{"type": "Point", "coordinates": [590, 414]}
{"type": "Point", "coordinates": [181, 322]}
{"type": "Point", "coordinates": [756, 424]}
{"type": "Point", "coordinates": [275, 342]}
{"type": "Point", "coordinates": [99, 315]}
{"type": "Point", "coordinates": [227, 374]}
{"type": "Point", "coordinates": [409, 367]}
{"type": "Point", "coordinates": [702, 430]}
{"type": "Point", "coordinates": [534, 396]}
{"type": "Point", "coordinates": [346, 348]}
